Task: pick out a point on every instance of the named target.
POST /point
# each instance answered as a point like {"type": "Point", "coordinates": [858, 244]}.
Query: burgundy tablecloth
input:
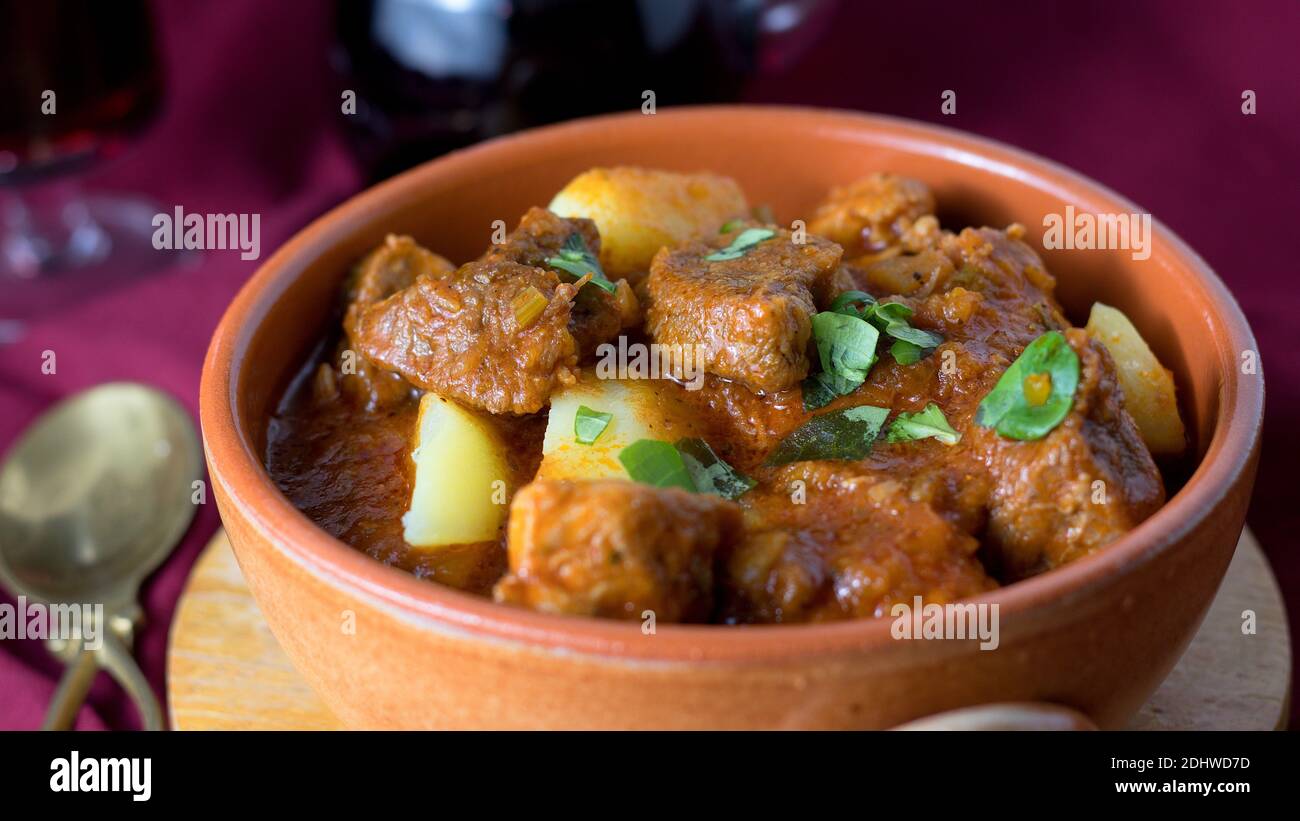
{"type": "Point", "coordinates": [247, 128]}
{"type": "Point", "coordinates": [1143, 97]}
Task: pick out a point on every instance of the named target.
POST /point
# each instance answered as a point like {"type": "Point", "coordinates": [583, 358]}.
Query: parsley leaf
{"type": "Point", "coordinates": [656, 463]}
{"type": "Point", "coordinates": [846, 345]}
{"type": "Point", "coordinates": [742, 244]}
{"type": "Point", "coordinates": [576, 258]}
{"type": "Point", "coordinates": [843, 434]}
{"type": "Point", "coordinates": [1011, 413]}
{"type": "Point", "coordinates": [711, 474]}
{"type": "Point", "coordinates": [891, 318]}
{"type": "Point", "coordinates": [589, 424]}
{"type": "Point", "coordinates": [906, 353]}
{"type": "Point", "coordinates": [927, 424]}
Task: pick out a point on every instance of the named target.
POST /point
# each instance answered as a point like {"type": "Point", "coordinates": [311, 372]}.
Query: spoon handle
{"type": "Point", "coordinates": [74, 685]}
{"type": "Point", "coordinates": [117, 659]}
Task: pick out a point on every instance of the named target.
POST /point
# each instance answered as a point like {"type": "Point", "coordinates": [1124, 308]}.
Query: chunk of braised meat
{"type": "Point", "coordinates": [854, 545]}
{"type": "Point", "coordinates": [1005, 271]}
{"type": "Point", "coordinates": [597, 315]}
{"type": "Point", "coordinates": [389, 268]}
{"type": "Point", "coordinates": [824, 289]}
{"type": "Point", "coordinates": [984, 291]}
{"type": "Point", "coordinates": [997, 264]}
{"type": "Point", "coordinates": [615, 548]}
{"type": "Point", "coordinates": [902, 274]}
{"type": "Point", "coordinates": [745, 425]}
{"type": "Point", "coordinates": [988, 306]}
{"type": "Point", "coordinates": [540, 235]}
{"type": "Point", "coordinates": [1082, 486]}
{"type": "Point", "coordinates": [459, 336]}
{"type": "Point", "coordinates": [1045, 502]}
{"type": "Point", "coordinates": [989, 294]}
{"type": "Point", "coordinates": [983, 288]}
{"type": "Point", "coordinates": [876, 213]}
{"type": "Point", "coordinates": [749, 316]}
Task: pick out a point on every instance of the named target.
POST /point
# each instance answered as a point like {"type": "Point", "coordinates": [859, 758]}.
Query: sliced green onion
{"type": "Point", "coordinates": [1011, 413]}
{"type": "Point", "coordinates": [927, 424]}
{"type": "Point", "coordinates": [656, 463]}
{"type": "Point", "coordinates": [589, 424]}
{"type": "Point", "coordinates": [741, 245]}
{"type": "Point", "coordinates": [843, 434]}
{"type": "Point", "coordinates": [528, 305]}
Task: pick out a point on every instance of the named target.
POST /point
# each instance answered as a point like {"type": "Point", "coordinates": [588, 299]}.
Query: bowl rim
{"type": "Point", "coordinates": [239, 470]}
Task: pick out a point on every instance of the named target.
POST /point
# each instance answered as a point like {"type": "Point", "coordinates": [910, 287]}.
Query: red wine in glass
{"type": "Point", "coordinates": [78, 79]}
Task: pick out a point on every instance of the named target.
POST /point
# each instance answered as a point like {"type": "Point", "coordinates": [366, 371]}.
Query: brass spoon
{"type": "Point", "coordinates": [93, 497]}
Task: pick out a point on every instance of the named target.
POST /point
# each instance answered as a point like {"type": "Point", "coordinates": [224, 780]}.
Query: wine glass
{"type": "Point", "coordinates": [78, 79]}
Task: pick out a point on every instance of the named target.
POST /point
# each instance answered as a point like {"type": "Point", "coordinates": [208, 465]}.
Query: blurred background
{"type": "Point", "coordinates": [284, 109]}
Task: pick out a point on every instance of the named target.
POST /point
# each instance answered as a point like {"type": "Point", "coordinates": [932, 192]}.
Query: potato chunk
{"type": "Point", "coordinates": [458, 460]}
{"type": "Point", "coordinates": [640, 210]}
{"type": "Point", "coordinates": [641, 409]}
{"type": "Point", "coordinates": [615, 549]}
{"type": "Point", "coordinates": [1148, 386]}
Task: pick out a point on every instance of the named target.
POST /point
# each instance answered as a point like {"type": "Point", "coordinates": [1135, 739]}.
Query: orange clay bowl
{"type": "Point", "coordinates": [1098, 635]}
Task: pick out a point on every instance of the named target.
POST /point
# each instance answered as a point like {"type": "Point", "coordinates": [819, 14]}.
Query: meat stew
{"type": "Point", "coordinates": [649, 398]}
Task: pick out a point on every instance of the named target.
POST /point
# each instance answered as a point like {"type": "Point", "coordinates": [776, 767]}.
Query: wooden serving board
{"type": "Point", "coordinates": [225, 670]}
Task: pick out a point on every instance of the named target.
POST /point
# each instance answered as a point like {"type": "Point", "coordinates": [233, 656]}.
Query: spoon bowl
{"type": "Point", "coordinates": [92, 498]}
{"type": "Point", "coordinates": [96, 494]}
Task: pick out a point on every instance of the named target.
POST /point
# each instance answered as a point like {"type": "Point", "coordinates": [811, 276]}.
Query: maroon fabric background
{"type": "Point", "coordinates": [1144, 97]}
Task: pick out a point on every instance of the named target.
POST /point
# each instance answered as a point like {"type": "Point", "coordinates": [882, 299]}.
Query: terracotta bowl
{"type": "Point", "coordinates": [384, 649]}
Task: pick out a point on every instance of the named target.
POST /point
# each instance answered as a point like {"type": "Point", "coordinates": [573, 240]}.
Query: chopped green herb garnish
{"type": "Point", "coordinates": [730, 225]}
{"type": "Point", "coordinates": [690, 464]}
{"type": "Point", "coordinates": [576, 258]}
{"type": "Point", "coordinates": [656, 463]}
{"type": "Point", "coordinates": [846, 345]}
{"type": "Point", "coordinates": [891, 318]}
{"type": "Point", "coordinates": [589, 424]}
{"type": "Point", "coordinates": [844, 303]}
{"type": "Point", "coordinates": [822, 388]}
{"type": "Point", "coordinates": [905, 353]}
{"type": "Point", "coordinates": [711, 474]}
{"type": "Point", "coordinates": [741, 245]}
{"type": "Point", "coordinates": [928, 424]}
{"type": "Point", "coordinates": [1048, 369]}
{"type": "Point", "coordinates": [843, 434]}
{"type": "Point", "coordinates": [847, 335]}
